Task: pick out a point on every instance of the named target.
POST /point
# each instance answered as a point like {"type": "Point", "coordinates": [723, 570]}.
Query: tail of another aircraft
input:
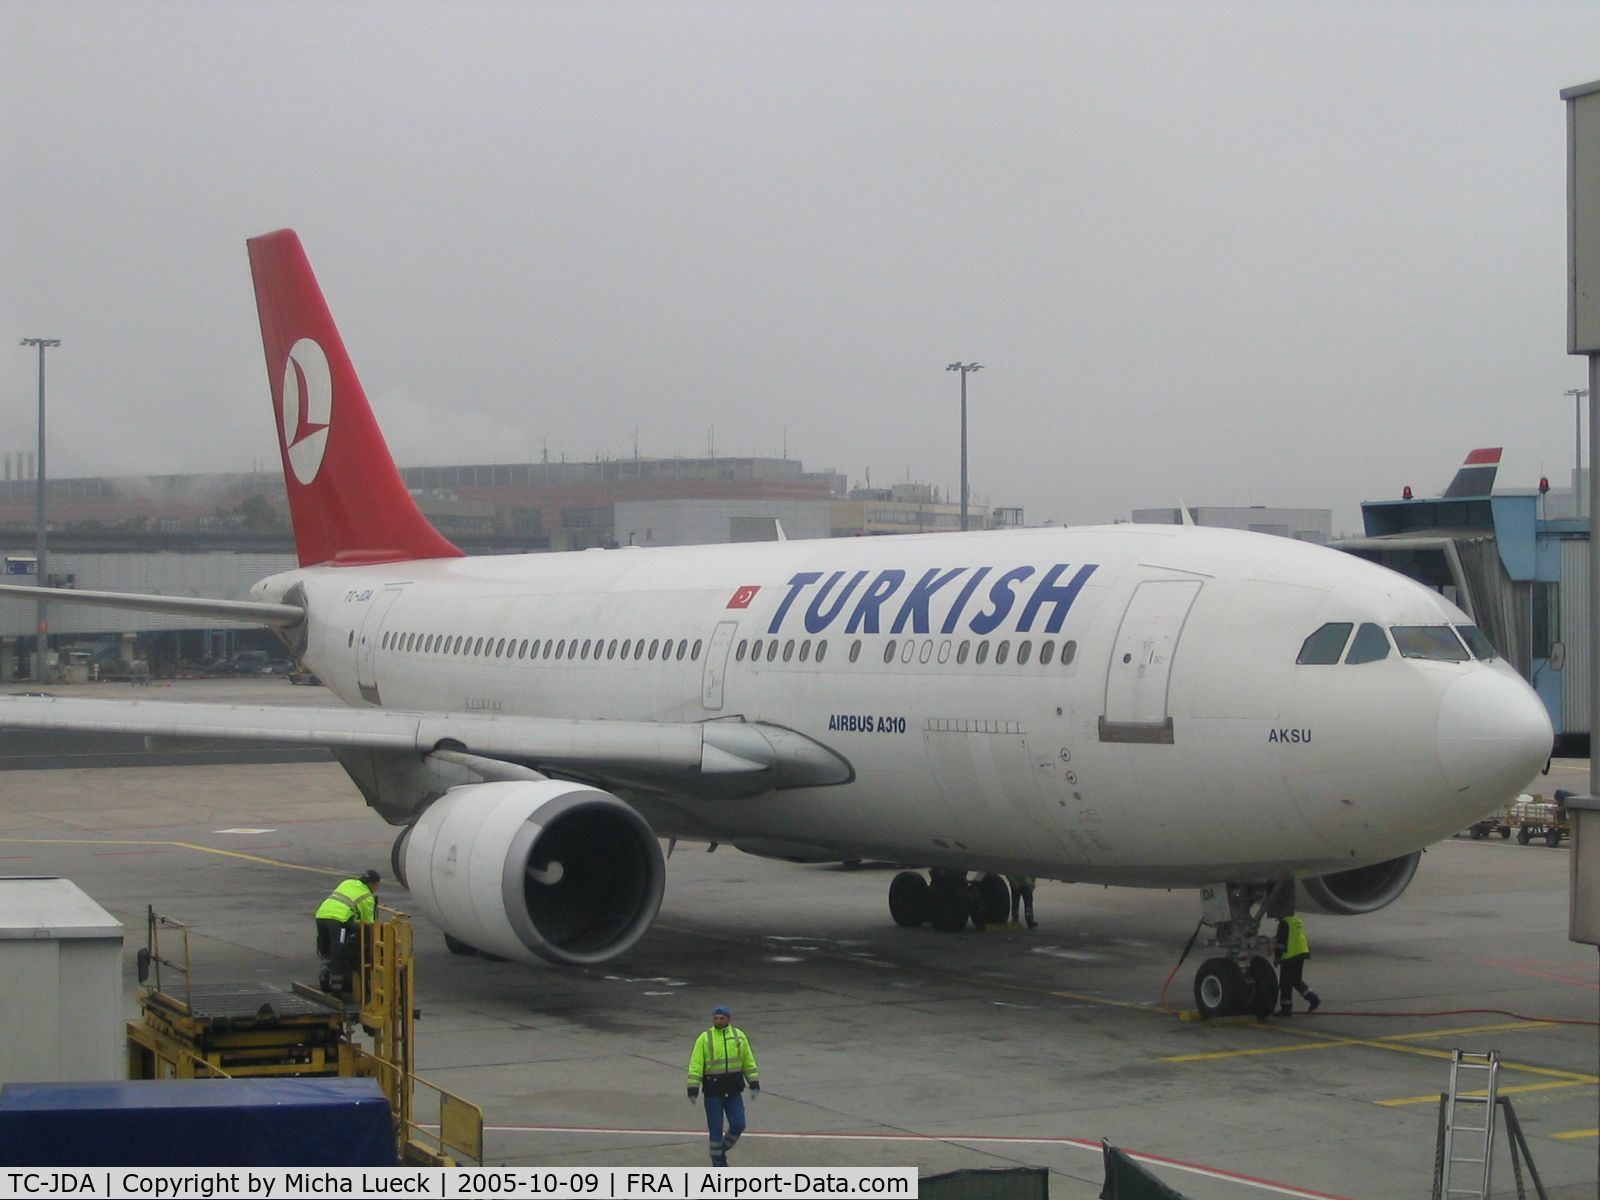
{"type": "Point", "coordinates": [1476, 476]}
{"type": "Point", "coordinates": [346, 498]}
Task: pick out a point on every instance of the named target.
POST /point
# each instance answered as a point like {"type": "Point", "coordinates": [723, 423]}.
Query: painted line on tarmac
{"type": "Point", "coordinates": [160, 845]}
{"type": "Point", "coordinates": [1330, 1041]}
{"type": "Point", "coordinates": [983, 1139]}
{"type": "Point", "coordinates": [1480, 1094]}
{"type": "Point", "coordinates": [1573, 1135]}
{"type": "Point", "coordinates": [1558, 1079]}
{"type": "Point", "coordinates": [1528, 969]}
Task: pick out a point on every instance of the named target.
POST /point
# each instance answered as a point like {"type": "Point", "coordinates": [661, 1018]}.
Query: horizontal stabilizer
{"type": "Point", "coordinates": [249, 611]}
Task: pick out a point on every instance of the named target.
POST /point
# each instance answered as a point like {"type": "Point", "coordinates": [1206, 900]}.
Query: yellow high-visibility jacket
{"type": "Point", "coordinates": [352, 900]}
{"type": "Point", "coordinates": [1294, 944]}
{"type": "Point", "coordinates": [722, 1059]}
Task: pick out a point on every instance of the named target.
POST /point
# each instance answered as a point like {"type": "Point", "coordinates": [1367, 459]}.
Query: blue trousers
{"type": "Point", "coordinates": [718, 1108]}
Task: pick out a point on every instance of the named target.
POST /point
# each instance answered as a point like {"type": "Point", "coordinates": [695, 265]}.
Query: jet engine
{"type": "Point", "coordinates": [532, 869]}
{"type": "Point", "coordinates": [1361, 889]}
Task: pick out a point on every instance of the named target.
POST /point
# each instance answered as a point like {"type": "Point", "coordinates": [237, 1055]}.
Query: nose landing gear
{"type": "Point", "coordinates": [1241, 980]}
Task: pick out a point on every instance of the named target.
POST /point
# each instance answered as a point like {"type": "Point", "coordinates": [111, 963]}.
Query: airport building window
{"type": "Point", "coordinates": [1371, 644]}
{"type": "Point", "coordinates": [888, 651]}
{"type": "Point", "coordinates": [1438, 643]}
{"type": "Point", "coordinates": [1326, 645]}
{"type": "Point", "coordinates": [1482, 648]}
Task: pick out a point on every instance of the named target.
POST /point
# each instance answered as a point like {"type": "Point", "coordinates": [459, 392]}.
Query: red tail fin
{"type": "Point", "coordinates": [347, 500]}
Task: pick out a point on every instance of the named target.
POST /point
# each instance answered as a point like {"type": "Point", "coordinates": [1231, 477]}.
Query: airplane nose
{"type": "Point", "coordinates": [1494, 734]}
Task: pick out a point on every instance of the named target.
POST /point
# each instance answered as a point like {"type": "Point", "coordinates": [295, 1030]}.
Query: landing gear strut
{"type": "Point", "coordinates": [1240, 979]}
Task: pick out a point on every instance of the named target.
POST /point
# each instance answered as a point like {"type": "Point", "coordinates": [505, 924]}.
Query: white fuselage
{"type": "Point", "coordinates": [1116, 704]}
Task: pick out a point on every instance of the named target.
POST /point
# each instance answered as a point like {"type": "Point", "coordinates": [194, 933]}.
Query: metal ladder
{"type": "Point", "coordinates": [1469, 1148]}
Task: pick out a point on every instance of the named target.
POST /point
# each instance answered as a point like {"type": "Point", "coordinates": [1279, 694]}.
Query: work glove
{"type": "Point", "coordinates": [694, 1094]}
{"type": "Point", "coordinates": [755, 1088]}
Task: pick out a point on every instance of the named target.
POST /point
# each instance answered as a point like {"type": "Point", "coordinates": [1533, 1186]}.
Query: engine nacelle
{"type": "Point", "coordinates": [535, 869]}
{"type": "Point", "coordinates": [1361, 889]}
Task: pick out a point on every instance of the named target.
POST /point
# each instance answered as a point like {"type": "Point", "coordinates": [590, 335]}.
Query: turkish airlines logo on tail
{"type": "Point", "coordinates": [306, 408]}
{"type": "Point", "coordinates": [742, 598]}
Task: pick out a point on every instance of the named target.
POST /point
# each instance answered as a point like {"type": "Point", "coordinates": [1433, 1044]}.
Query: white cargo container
{"type": "Point", "coordinates": [61, 959]}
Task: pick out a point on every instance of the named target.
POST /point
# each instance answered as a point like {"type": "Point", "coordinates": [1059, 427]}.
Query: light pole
{"type": "Point", "coordinates": [39, 576]}
{"type": "Point", "coordinates": [1577, 395]}
{"type": "Point", "coordinates": [964, 368]}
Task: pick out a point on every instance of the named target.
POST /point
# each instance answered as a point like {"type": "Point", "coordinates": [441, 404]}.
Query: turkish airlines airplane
{"type": "Point", "coordinates": [1152, 706]}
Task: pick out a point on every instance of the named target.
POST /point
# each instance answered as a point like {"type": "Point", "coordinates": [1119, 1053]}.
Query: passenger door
{"type": "Point", "coordinates": [717, 665]}
{"type": "Point", "coordinates": [1141, 661]}
{"type": "Point", "coordinates": [367, 643]}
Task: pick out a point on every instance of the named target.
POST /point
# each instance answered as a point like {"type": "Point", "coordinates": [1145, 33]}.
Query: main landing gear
{"type": "Point", "coordinates": [947, 899]}
{"type": "Point", "coordinates": [1241, 979]}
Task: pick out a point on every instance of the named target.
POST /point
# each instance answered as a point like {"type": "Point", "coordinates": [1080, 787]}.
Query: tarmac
{"type": "Point", "coordinates": [879, 1046]}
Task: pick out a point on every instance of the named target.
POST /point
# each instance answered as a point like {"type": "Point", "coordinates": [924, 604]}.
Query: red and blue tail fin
{"type": "Point", "coordinates": [346, 498]}
{"type": "Point", "coordinates": [1476, 476]}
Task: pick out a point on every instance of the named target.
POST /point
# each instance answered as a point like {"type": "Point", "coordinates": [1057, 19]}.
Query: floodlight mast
{"type": "Point", "coordinates": [965, 369]}
{"type": "Point", "coordinates": [39, 577]}
{"type": "Point", "coordinates": [1577, 395]}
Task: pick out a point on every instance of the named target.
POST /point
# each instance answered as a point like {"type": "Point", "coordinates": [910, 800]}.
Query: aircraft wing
{"type": "Point", "coordinates": [254, 612]}
{"type": "Point", "coordinates": [737, 756]}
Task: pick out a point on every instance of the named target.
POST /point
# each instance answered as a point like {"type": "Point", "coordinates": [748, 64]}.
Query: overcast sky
{"type": "Point", "coordinates": [1223, 253]}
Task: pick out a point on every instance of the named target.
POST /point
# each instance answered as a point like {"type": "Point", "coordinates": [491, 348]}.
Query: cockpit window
{"type": "Point", "coordinates": [1371, 644]}
{"type": "Point", "coordinates": [1436, 642]}
{"type": "Point", "coordinates": [1480, 646]}
{"type": "Point", "coordinates": [1325, 645]}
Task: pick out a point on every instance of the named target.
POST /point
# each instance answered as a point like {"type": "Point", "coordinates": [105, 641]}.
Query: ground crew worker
{"type": "Point", "coordinates": [1022, 895]}
{"type": "Point", "coordinates": [1293, 950]}
{"type": "Point", "coordinates": [348, 906]}
{"type": "Point", "coordinates": [721, 1063]}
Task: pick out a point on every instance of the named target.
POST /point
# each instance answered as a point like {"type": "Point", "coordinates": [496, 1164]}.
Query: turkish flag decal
{"type": "Point", "coordinates": [742, 598]}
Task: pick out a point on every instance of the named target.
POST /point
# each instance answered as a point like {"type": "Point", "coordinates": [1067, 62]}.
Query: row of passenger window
{"type": "Point", "coordinates": [1439, 643]}
{"type": "Point", "coordinates": [756, 650]}
{"type": "Point", "coordinates": [907, 650]}
{"type": "Point", "coordinates": [466, 646]}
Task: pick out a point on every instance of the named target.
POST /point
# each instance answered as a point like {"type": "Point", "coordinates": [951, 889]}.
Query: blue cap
{"type": "Point", "coordinates": [723, 1009]}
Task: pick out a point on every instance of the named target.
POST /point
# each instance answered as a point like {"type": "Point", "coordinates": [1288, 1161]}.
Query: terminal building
{"type": "Point", "coordinates": [1301, 524]}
